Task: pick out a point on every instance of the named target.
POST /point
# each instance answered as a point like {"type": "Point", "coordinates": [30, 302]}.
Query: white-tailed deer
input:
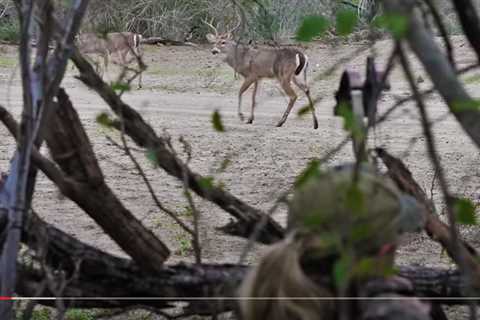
{"type": "Point", "coordinates": [120, 44]}
{"type": "Point", "coordinates": [254, 64]}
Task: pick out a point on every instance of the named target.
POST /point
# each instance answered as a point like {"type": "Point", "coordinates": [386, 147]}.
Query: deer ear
{"type": "Point", "coordinates": [211, 38]}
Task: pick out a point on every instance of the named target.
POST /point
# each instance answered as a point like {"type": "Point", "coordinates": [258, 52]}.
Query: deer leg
{"type": "Point", "coordinates": [123, 58]}
{"type": "Point", "coordinates": [286, 86]}
{"type": "Point", "coordinates": [140, 80]}
{"type": "Point", "coordinates": [254, 93]}
{"type": "Point", "coordinates": [305, 89]}
{"type": "Point", "coordinates": [136, 55]}
{"type": "Point", "coordinates": [245, 85]}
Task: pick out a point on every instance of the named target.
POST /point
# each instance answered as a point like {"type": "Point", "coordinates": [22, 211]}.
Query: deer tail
{"type": "Point", "coordinates": [302, 63]}
{"type": "Point", "coordinates": [305, 70]}
{"type": "Point", "coordinates": [136, 40]}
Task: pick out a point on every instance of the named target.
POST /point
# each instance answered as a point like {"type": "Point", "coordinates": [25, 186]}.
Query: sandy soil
{"type": "Point", "coordinates": [184, 85]}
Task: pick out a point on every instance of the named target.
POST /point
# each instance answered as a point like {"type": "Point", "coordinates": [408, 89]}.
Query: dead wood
{"type": "Point", "coordinates": [82, 182]}
{"type": "Point", "coordinates": [144, 136]}
{"type": "Point", "coordinates": [102, 274]}
{"type": "Point", "coordinates": [167, 42]}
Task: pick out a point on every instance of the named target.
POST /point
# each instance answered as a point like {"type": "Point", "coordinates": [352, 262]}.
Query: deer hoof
{"type": "Point", "coordinates": [279, 124]}
{"type": "Point", "coordinates": [315, 125]}
{"type": "Point", "coordinates": [250, 120]}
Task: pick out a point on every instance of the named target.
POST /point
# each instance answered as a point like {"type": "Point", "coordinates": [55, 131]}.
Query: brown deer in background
{"type": "Point", "coordinates": [254, 64]}
{"type": "Point", "coordinates": [117, 43]}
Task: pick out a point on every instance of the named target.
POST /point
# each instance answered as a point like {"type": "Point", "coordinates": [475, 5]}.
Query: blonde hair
{"type": "Point", "coordinates": [280, 276]}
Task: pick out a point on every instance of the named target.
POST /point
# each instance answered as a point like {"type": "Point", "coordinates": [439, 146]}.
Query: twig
{"type": "Point", "coordinates": [260, 225]}
{"type": "Point", "coordinates": [432, 186]}
{"type": "Point", "coordinates": [442, 29]}
{"type": "Point", "coordinates": [457, 254]}
{"type": "Point", "coordinates": [423, 94]}
{"type": "Point", "coordinates": [157, 201]}
{"type": "Point", "coordinates": [283, 199]}
{"type": "Point", "coordinates": [186, 191]}
{"type": "Point", "coordinates": [431, 148]}
{"type": "Point", "coordinates": [119, 146]}
{"type": "Point", "coordinates": [144, 136]}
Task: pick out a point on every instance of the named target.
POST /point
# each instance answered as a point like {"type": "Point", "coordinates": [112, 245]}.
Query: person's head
{"type": "Point", "coordinates": [343, 227]}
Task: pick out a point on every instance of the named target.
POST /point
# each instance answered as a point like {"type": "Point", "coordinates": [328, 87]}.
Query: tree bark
{"type": "Point", "coordinates": [104, 275]}
{"type": "Point", "coordinates": [71, 149]}
{"type": "Point", "coordinates": [84, 184]}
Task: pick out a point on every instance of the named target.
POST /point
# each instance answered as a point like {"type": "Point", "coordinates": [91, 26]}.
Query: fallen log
{"type": "Point", "coordinates": [167, 42]}
{"type": "Point", "coordinates": [101, 274]}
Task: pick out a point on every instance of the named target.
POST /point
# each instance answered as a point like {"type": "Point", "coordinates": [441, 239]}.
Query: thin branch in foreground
{"type": "Point", "coordinates": [82, 181]}
{"type": "Point", "coordinates": [433, 154]}
{"type": "Point", "coordinates": [443, 30]}
{"type": "Point", "coordinates": [144, 136]}
{"type": "Point", "coordinates": [425, 93]}
{"type": "Point", "coordinates": [149, 186]}
{"type": "Point", "coordinates": [197, 249]}
{"type": "Point", "coordinates": [457, 254]}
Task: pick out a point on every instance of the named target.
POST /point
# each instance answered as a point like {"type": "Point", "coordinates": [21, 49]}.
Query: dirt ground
{"type": "Point", "coordinates": [184, 85]}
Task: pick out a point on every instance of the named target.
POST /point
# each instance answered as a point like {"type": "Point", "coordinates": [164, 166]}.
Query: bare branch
{"type": "Point", "coordinates": [443, 31]}
{"type": "Point", "coordinates": [432, 152]}
{"type": "Point", "coordinates": [157, 201]}
{"type": "Point", "coordinates": [470, 22]}
{"type": "Point", "coordinates": [85, 186]}
{"type": "Point", "coordinates": [144, 136]}
{"type": "Point", "coordinates": [441, 72]}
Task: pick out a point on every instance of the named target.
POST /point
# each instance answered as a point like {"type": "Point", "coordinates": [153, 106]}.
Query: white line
{"type": "Point", "coordinates": [249, 298]}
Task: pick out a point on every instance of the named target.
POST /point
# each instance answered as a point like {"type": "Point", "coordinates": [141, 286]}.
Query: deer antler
{"type": "Point", "coordinates": [238, 25]}
{"type": "Point", "coordinates": [214, 28]}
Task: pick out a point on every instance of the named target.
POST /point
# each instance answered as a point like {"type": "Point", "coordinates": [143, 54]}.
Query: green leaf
{"type": "Point", "coordinates": [311, 27]}
{"type": "Point", "coordinates": [350, 122]}
{"type": "Point", "coordinates": [361, 232]}
{"type": "Point", "coordinates": [355, 199]}
{"type": "Point", "coordinates": [217, 121]}
{"type": "Point", "coordinates": [303, 110]}
{"type": "Point", "coordinates": [365, 267]}
{"type": "Point", "coordinates": [314, 219]}
{"type": "Point", "coordinates": [120, 86]}
{"type": "Point", "coordinates": [104, 120]}
{"type": "Point", "coordinates": [151, 156]}
{"type": "Point", "coordinates": [467, 105]}
{"type": "Point", "coordinates": [312, 170]}
{"type": "Point", "coordinates": [368, 267]}
{"type": "Point", "coordinates": [397, 24]}
{"type": "Point", "coordinates": [465, 212]}
{"type": "Point", "coordinates": [346, 22]}
{"type": "Point", "coordinates": [341, 271]}
{"type": "Point", "coordinates": [206, 182]}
